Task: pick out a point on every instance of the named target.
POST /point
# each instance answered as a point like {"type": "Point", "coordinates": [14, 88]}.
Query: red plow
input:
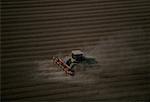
{"type": "Point", "coordinates": [63, 66]}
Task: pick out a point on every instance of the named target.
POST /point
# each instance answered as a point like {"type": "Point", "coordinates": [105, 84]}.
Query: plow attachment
{"type": "Point", "coordinates": [63, 66]}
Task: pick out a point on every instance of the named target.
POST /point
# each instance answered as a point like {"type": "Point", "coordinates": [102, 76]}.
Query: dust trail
{"type": "Point", "coordinates": [47, 71]}
{"type": "Point", "coordinates": [118, 51]}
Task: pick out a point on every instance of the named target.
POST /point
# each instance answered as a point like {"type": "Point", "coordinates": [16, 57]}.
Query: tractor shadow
{"type": "Point", "coordinates": [87, 64]}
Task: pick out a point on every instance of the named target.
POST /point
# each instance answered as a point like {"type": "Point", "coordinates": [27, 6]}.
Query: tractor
{"type": "Point", "coordinates": [69, 62]}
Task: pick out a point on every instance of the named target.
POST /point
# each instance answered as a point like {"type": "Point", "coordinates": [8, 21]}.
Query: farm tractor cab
{"type": "Point", "coordinates": [68, 63]}
{"type": "Point", "coordinates": [76, 57]}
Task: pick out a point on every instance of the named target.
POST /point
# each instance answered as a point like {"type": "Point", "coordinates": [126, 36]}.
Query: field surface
{"type": "Point", "coordinates": [115, 32]}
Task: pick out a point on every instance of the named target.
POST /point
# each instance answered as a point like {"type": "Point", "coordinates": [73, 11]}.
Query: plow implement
{"type": "Point", "coordinates": [63, 66]}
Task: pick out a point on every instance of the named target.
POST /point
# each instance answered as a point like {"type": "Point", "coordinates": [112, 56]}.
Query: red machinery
{"type": "Point", "coordinates": [63, 65]}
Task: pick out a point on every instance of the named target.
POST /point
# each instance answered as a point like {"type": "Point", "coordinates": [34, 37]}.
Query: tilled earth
{"type": "Point", "coordinates": [115, 32]}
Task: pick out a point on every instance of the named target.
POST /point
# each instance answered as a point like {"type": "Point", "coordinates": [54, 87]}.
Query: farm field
{"type": "Point", "coordinates": [116, 33]}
